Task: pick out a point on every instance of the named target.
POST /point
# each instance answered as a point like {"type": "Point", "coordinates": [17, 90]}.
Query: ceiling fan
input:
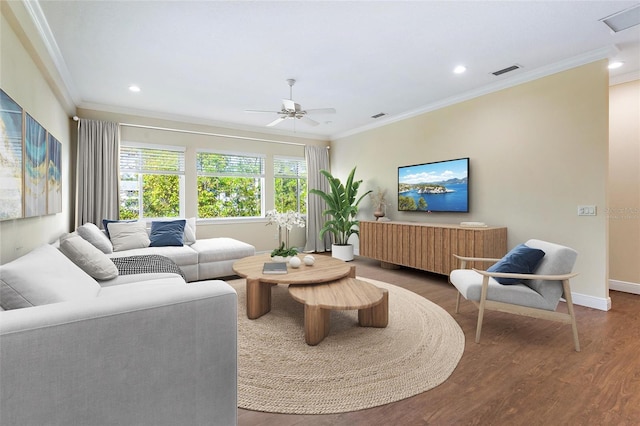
{"type": "Point", "coordinates": [292, 110]}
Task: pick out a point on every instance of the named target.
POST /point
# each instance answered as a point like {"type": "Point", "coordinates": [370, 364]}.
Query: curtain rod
{"type": "Point", "coordinates": [194, 132]}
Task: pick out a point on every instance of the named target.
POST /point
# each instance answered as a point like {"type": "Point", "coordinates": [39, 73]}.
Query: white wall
{"type": "Point", "coordinates": [25, 79]}
{"type": "Point", "coordinates": [537, 151]}
{"type": "Point", "coordinates": [624, 183]}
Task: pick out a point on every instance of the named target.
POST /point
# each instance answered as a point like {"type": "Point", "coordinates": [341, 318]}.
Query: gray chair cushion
{"type": "Point", "coordinates": [558, 260]}
{"type": "Point", "coordinates": [469, 284]}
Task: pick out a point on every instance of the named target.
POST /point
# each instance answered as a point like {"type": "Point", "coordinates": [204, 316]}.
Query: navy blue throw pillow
{"type": "Point", "coordinates": [520, 260]}
{"type": "Point", "coordinates": [169, 233]}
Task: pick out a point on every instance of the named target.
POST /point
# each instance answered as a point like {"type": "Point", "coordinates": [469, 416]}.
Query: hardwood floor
{"type": "Point", "coordinates": [524, 371]}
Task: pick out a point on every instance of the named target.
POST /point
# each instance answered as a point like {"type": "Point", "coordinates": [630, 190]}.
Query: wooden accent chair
{"type": "Point", "coordinates": [534, 295]}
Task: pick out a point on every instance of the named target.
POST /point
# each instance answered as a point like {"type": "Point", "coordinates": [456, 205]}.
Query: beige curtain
{"type": "Point", "coordinates": [97, 174]}
{"type": "Point", "coordinates": [317, 159]}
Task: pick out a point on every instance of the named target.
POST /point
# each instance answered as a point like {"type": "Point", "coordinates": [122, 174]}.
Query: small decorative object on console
{"type": "Point", "coordinates": [473, 224]}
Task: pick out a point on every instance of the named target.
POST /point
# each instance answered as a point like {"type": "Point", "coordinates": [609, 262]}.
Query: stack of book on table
{"type": "Point", "coordinates": [274, 268]}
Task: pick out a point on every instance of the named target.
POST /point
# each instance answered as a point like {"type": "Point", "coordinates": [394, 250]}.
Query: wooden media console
{"type": "Point", "coordinates": [428, 246]}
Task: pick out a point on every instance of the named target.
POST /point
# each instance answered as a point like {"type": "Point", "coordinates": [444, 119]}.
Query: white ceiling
{"type": "Point", "coordinates": [208, 61]}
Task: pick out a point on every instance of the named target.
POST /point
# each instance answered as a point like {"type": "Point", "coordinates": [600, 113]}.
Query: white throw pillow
{"type": "Point", "coordinates": [88, 257]}
{"type": "Point", "coordinates": [190, 231]}
{"type": "Point", "coordinates": [95, 236]}
{"type": "Point", "coordinates": [43, 276]}
{"type": "Point", "coordinates": [128, 235]}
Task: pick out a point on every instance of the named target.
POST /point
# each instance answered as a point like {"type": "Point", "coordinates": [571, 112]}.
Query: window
{"type": "Point", "coordinates": [151, 181]}
{"type": "Point", "coordinates": [290, 184]}
{"type": "Point", "coordinates": [229, 185]}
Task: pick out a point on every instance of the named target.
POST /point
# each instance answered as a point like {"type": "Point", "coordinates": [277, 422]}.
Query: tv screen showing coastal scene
{"type": "Point", "coordinates": [441, 186]}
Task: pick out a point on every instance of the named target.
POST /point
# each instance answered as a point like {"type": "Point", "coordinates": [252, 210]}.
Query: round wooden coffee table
{"type": "Point", "coordinates": [319, 300]}
{"type": "Point", "coordinates": [325, 269]}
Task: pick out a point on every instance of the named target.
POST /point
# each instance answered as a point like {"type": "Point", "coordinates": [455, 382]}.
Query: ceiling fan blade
{"type": "Point", "coordinates": [321, 111]}
{"type": "Point", "coordinates": [258, 110]}
{"type": "Point", "coordinates": [276, 121]}
{"type": "Point", "coordinates": [309, 121]}
{"type": "Point", "coordinates": [290, 105]}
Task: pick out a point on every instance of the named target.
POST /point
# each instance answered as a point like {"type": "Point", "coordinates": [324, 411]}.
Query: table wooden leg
{"type": "Point", "coordinates": [376, 316]}
{"type": "Point", "coordinates": [352, 272]}
{"type": "Point", "coordinates": [316, 324]}
{"type": "Point", "coordinates": [258, 298]}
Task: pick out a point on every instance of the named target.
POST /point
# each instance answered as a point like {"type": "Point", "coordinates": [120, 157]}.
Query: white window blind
{"type": "Point", "coordinates": [137, 159]}
{"type": "Point", "coordinates": [215, 164]}
{"type": "Point", "coordinates": [290, 167]}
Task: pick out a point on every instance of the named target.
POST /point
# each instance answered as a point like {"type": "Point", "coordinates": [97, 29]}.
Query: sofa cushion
{"type": "Point", "coordinates": [218, 249]}
{"type": "Point", "coordinates": [128, 235]}
{"type": "Point", "coordinates": [520, 260]}
{"type": "Point", "coordinates": [88, 257]}
{"type": "Point", "coordinates": [43, 276]}
{"type": "Point", "coordinates": [140, 278]}
{"type": "Point", "coordinates": [182, 255]}
{"type": "Point", "coordinates": [95, 236]}
{"type": "Point", "coordinates": [167, 233]}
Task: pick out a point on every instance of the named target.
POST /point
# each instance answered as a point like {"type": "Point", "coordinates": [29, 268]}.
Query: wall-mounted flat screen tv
{"type": "Point", "coordinates": [441, 186]}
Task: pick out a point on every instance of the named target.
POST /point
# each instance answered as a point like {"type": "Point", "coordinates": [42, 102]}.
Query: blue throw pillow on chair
{"type": "Point", "coordinates": [169, 233]}
{"type": "Point", "coordinates": [521, 260]}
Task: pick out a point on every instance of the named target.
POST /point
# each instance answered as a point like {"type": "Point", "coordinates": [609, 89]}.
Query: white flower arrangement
{"type": "Point", "coordinates": [284, 221]}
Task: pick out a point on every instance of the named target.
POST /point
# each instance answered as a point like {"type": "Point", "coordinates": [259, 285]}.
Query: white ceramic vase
{"type": "Point", "coordinates": [280, 258]}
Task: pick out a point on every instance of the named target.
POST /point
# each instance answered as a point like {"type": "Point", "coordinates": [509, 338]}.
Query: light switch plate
{"type": "Point", "coordinates": [586, 210]}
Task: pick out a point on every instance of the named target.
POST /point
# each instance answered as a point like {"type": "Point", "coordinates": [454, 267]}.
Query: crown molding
{"type": "Point", "coordinates": [51, 56]}
{"type": "Point", "coordinates": [196, 121]}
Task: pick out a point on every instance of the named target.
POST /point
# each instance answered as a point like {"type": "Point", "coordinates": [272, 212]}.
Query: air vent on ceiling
{"type": "Point", "coordinates": [378, 115]}
{"type": "Point", "coordinates": [505, 70]}
{"type": "Point", "coordinates": [624, 19]}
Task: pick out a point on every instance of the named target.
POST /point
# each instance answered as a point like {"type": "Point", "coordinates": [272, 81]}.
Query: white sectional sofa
{"type": "Point", "coordinates": [198, 259]}
{"type": "Point", "coordinates": [152, 350]}
{"type": "Point", "coordinates": [137, 349]}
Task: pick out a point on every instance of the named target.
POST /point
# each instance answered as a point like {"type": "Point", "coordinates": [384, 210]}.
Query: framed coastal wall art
{"type": "Point", "coordinates": [30, 164]}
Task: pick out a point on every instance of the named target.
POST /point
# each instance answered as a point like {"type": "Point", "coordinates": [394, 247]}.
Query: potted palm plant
{"type": "Point", "coordinates": [342, 207]}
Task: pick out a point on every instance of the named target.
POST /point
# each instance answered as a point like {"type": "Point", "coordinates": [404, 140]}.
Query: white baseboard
{"type": "Point", "coordinates": [601, 303]}
{"type": "Point", "coordinates": [627, 287]}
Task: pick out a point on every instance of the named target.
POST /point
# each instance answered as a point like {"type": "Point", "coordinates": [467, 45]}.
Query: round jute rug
{"type": "Point", "coordinates": [354, 367]}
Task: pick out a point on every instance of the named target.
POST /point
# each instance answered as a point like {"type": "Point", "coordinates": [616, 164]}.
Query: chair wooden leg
{"type": "Point", "coordinates": [458, 303]}
{"type": "Point", "coordinates": [574, 326]}
{"type": "Point", "coordinates": [483, 300]}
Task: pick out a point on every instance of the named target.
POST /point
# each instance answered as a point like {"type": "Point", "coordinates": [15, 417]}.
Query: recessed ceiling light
{"type": "Point", "coordinates": [459, 69]}
{"type": "Point", "coordinates": [134, 88]}
{"type": "Point", "coordinates": [614, 65]}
